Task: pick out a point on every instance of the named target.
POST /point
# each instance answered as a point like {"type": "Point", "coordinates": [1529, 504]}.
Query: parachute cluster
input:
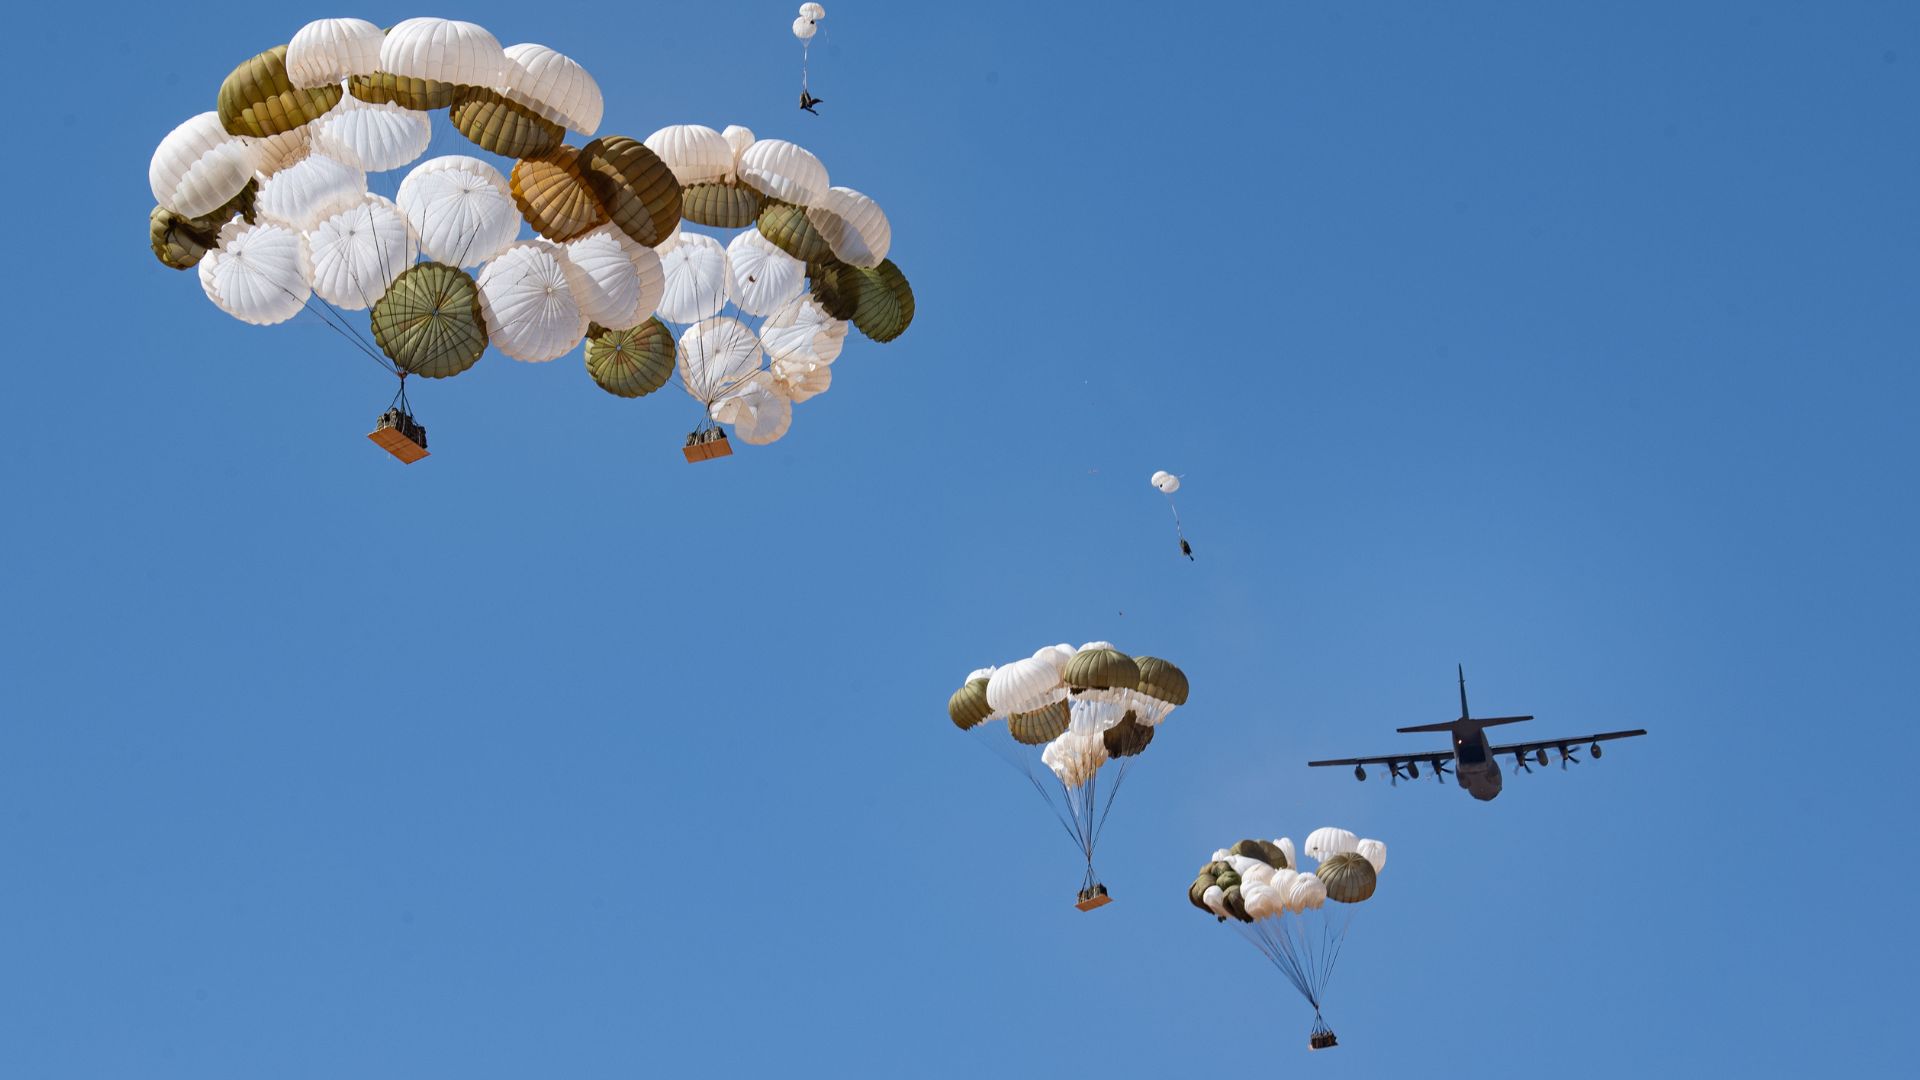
{"type": "Point", "coordinates": [1282, 909]}
{"type": "Point", "coordinates": [267, 196]}
{"type": "Point", "coordinates": [1259, 879]}
{"type": "Point", "coordinates": [1084, 708]}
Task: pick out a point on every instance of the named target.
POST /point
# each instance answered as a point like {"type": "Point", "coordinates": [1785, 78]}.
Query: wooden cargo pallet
{"type": "Point", "coordinates": [390, 440]}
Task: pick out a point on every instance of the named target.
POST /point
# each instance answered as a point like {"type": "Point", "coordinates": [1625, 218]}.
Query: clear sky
{"type": "Point", "coordinates": [1574, 343]}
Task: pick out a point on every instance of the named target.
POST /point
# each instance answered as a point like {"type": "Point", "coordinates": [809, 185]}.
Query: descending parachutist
{"type": "Point", "coordinates": [1167, 483]}
{"type": "Point", "coordinates": [804, 28]}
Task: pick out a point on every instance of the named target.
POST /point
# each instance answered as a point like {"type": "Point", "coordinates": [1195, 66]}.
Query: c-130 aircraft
{"type": "Point", "coordinates": [1475, 760]}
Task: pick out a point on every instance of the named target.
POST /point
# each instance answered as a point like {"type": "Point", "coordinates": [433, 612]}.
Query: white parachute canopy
{"type": "Point", "coordinates": [1075, 758]}
{"type": "Point", "coordinates": [330, 50]}
{"type": "Point", "coordinates": [695, 270]}
{"type": "Point", "coordinates": [371, 137]}
{"type": "Point", "coordinates": [619, 282]}
{"type": "Point", "coordinates": [304, 194]}
{"type": "Point", "coordinates": [553, 85]}
{"type": "Point", "coordinates": [1324, 843]}
{"type": "Point", "coordinates": [695, 153]}
{"type": "Point", "coordinates": [527, 297]}
{"type": "Point", "coordinates": [1025, 685]}
{"type": "Point", "coordinates": [359, 251]}
{"type": "Point", "coordinates": [781, 170]}
{"type": "Point", "coordinates": [198, 167]}
{"type": "Point", "coordinates": [259, 273]}
{"type": "Point", "coordinates": [761, 277]}
{"type": "Point", "coordinates": [854, 226]}
{"type": "Point", "coordinates": [801, 331]}
{"type": "Point", "coordinates": [715, 356]}
{"type": "Point", "coordinates": [1166, 482]}
{"type": "Point", "coordinates": [739, 138]}
{"type": "Point", "coordinates": [460, 208]}
{"type": "Point", "coordinates": [443, 50]}
{"type": "Point", "coordinates": [759, 412]}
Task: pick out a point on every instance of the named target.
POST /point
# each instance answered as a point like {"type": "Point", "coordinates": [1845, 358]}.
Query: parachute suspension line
{"type": "Point", "coordinates": [1305, 955]}
{"type": "Point", "coordinates": [803, 66]}
{"type": "Point", "coordinates": [1125, 764]}
{"type": "Point", "coordinates": [1018, 763]}
{"type": "Point", "coordinates": [1177, 529]}
{"type": "Point", "coordinates": [344, 331]}
{"type": "Point", "coordinates": [400, 398]}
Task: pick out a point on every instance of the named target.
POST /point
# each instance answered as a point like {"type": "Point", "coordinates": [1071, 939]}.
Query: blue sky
{"type": "Point", "coordinates": [1576, 346]}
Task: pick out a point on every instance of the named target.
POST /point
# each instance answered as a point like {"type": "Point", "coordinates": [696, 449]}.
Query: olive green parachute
{"type": "Point", "coordinates": [1127, 738]}
{"type": "Point", "coordinates": [633, 362]}
{"type": "Point", "coordinates": [505, 127]}
{"type": "Point", "coordinates": [384, 87]}
{"type": "Point", "coordinates": [639, 191]}
{"type": "Point", "coordinates": [553, 195]}
{"type": "Point", "coordinates": [1042, 725]}
{"type": "Point", "coordinates": [1265, 850]}
{"type": "Point", "coordinates": [181, 242]}
{"type": "Point", "coordinates": [257, 99]}
{"type": "Point", "coordinates": [429, 323]}
{"type": "Point", "coordinates": [1100, 669]}
{"type": "Point", "coordinates": [968, 705]}
{"type": "Point", "coordinates": [879, 301]}
{"type": "Point", "coordinates": [789, 230]}
{"type": "Point", "coordinates": [175, 240]}
{"type": "Point", "coordinates": [1162, 680]}
{"type": "Point", "coordinates": [884, 303]}
{"type": "Point", "coordinates": [721, 205]}
{"type": "Point", "coordinates": [1349, 877]}
{"type": "Point", "coordinates": [836, 287]}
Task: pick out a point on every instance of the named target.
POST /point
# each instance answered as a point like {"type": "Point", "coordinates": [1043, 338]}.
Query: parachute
{"type": "Point", "coordinates": [1167, 483]}
{"type": "Point", "coordinates": [1083, 712]}
{"type": "Point", "coordinates": [421, 174]}
{"type": "Point", "coordinates": [1283, 911]}
{"type": "Point", "coordinates": [804, 27]}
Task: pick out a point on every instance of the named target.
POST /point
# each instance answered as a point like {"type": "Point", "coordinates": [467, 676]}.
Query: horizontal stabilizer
{"type": "Point", "coordinates": [1476, 721]}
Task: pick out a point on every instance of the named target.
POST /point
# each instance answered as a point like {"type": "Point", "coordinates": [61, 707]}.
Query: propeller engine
{"type": "Point", "coordinates": [1595, 749]}
{"type": "Point", "coordinates": [1360, 773]}
{"type": "Point", "coordinates": [1520, 761]}
{"type": "Point", "coordinates": [1567, 755]}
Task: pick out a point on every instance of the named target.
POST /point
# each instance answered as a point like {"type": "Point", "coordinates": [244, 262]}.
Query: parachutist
{"type": "Point", "coordinates": [808, 101]}
{"type": "Point", "coordinates": [1186, 549]}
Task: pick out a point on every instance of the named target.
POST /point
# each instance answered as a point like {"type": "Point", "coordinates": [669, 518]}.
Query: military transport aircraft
{"type": "Point", "coordinates": [1477, 761]}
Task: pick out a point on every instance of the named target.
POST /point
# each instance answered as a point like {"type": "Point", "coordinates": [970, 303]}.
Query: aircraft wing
{"type": "Point", "coordinates": [1390, 759]}
{"type": "Point", "coordinates": [1571, 741]}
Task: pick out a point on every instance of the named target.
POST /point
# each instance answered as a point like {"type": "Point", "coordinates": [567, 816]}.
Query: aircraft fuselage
{"type": "Point", "coordinates": [1473, 762]}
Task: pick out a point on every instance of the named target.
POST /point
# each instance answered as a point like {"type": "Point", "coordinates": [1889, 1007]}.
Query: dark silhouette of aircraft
{"type": "Point", "coordinates": [1476, 761]}
{"type": "Point", "coordinates": [808, 101]}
